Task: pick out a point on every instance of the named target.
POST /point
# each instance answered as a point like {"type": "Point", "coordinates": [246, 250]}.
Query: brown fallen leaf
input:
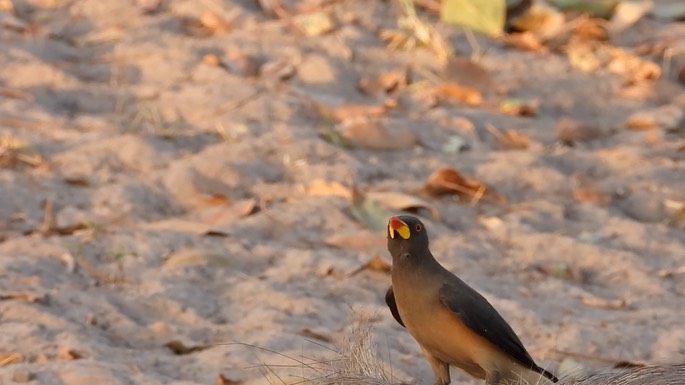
{"type": "Point", "coordinates": [516, 107]}
{"type": "Point", "coordinates": [669, 117]}
{"type": "Point", "coordinates": [669, 273]}
{"type": "Point", "coordinates": [277, 70]}
{"type": "Point", "coordinates": [401, 201]}
{"type": "Point", "coordinates": [313, 23]}
{"type": "Point", "coordinates": [449, 181]}
{"type": "Point", "coordinates": [633, 68]}
{"type": "Point", "coordinates": [386, 82]}
{"type": "Point", "coordinates": [591, 195]}
{"type": "Point", "coordinates": [68, 354]}
{"type": "Point", "coordinates": [204, 200]}
{"type": "Point", "coordinates": [25, 296]}
{"type": "Point", "coordinates": [22, 376]}
{"type": "Point", "coordinates": [10, 358]}
{"type": "Point", "coordinates": [526, 41]}
{"type": "Point", "coordinates": [375, 135]}
{"type": "Point", "coordinates": [222, 214]}
{"type": "Point", "coordinates": [627, 13]}
{"type": "Point", "coordinates": [180, 349]}
{"type": "Point", "coordinates": [198, 256]}
{"type": "Point", "coordinates": [240, 63]}
{"type": "Point", "coordinates": [347, 112]}
{"type": "Point", "coordinates": [309, 333]}
{"type": "Point", "coordinates": [321, 187]}
{"type": "Point", "coordinates": [570, 131]}
{"type": "Point", "coordinates": [223, 380]}
{"type": "Point", "coordinates": [542, 22]}
{"type": "Point", "coordinates": [357, 241]}
{"type": "Point", "coordinates": [615, 304]}
{"type": "Point", "coordinates": [214, 22]}
{"type": "Point", "coordinates": [509, 139]}
{"type": "Point", "coordinates": [206, 25]}
{"type": "Point", "coordinates": [464, 72]}
{"type": "Point", "coordinates": [374, 264]}
{"type": "Point", "coordinates": [457, 93]}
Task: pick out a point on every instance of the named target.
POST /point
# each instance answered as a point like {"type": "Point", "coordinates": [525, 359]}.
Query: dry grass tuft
{"type": "Point", "coordinates": [358, 363]}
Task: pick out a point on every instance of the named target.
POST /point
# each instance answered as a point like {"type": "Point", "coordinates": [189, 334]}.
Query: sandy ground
{"type": "Point", "coordinates": [135, 146]}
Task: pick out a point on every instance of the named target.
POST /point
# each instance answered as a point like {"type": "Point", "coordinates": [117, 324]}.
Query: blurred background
{"type": "Point", "coordinates": [196, 192]}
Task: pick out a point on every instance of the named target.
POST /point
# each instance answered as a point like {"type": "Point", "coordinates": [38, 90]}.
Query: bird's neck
{"type": "Point", "coordinates": [411, 265]}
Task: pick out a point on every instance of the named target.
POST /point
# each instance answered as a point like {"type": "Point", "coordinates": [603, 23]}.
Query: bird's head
{"type": "Point", "coordinates": [407, 236]}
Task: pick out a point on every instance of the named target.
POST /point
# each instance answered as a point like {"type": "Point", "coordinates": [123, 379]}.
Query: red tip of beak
{"type": "Point", "coordinates": [395, 223]}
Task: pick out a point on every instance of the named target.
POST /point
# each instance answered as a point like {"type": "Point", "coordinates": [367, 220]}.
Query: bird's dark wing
{"type": "Point", "coordinates": [481, 317]}
{"type": "Point", "coordinates": [390, 300]}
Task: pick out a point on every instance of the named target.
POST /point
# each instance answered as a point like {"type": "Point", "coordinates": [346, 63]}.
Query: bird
{"type": "Point", "coordinates": [453, 324]}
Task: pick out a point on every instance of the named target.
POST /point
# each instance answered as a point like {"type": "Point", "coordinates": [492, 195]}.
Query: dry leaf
{"type": "Point", "coordinates": [197, 256]}
{"type": "Point", "coordinates": [541, 22]}
{"type": "Point", "coordinates": [449, 181]}
{"type": "Point", "coordinates": [309, 333]}
{"type": "Point", "coordinates": [68, 354]}
{"type": "Point", "coordinates": [206, 25]}
{"type": "Point", "coordinates": [628, 13]}
{"type": "Point", "coordinates": [10, 358]}
{"type": "Point", "coordinates": [583, 57]}
{"type": "Point", "coordinates": [591, 195]}
{"type": "Point", "coordinates": [588, 30]}
{"type": "Point", "coordinates": [216, 199]}
{"type": "Point", "coordinates": [616, 304]}
{"type": "Point", "coordinates": [214, 22]}
{"type": "Point", "coordinates": [223, 380]}
{"type": "Point", "coordinates": [25, 296]}
{"type": "Point", "coordinates": [570, 131]}
{"type": "Point", "coordinates": [669, 117]}
{"type": "Point", "coordinates": [516, 107]}
{"type": "Point", "coordinates": [525, 41]}
{"type": "Point", "coordinates": [465, 72]}
{"type": "Point", "coordinates": [669, 273]}
{"type": "Point", "coordinates": [180, 349]}
{"type": "Point", "coordinates": [386, 82]}
{"type": "Point", "coordinates": [459, 94]}
{"type": "Point", "coordinates": [509, 139]}
{"type": "Point", "coordinates": [240, 63]}
{"type": "Point", "coordinates": [226, 213]}
{"type": "Point", "coordinates": [280, 70]}
{"type": "Point", "coordinates": [375, 135]}
{"type": "Point", "coordinates": [22, 376]}
{"type": "Point", "coordinates": [557, 270]}
{"type": "Point", "coordinates": [357, 241]}
{"type": "Point", "coordinates": [321, 187]}
{"type": "Point", "coordinates": [400, 201]}
{"type": "Point", "coordinates": [632, 67]}
{"type": "Point", "coordinates": [347, 112]}
{"type": "Point", "coordinates": [369, 211]}
{"type": "Point", "coordinates": [374, 264]}
{"type": "Point", "coordinates": [178, 225]}
{"type": "Point", "coordinates": [314, 23]}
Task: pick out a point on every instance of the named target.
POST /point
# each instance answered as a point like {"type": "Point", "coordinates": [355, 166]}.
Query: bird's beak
{"type": "Point", "coordinates": [397, 226]}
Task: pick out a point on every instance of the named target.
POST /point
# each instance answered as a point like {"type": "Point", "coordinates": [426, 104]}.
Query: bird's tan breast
{"type": "Point", "coordinates": [442, 334]}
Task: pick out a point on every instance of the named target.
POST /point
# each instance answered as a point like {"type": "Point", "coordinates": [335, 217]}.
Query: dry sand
{"type": "Point", "coordinates": [129, 132]}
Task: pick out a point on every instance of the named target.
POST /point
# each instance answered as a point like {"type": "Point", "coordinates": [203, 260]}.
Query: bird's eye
{"type": "Point", "coordinates": [418, 227]}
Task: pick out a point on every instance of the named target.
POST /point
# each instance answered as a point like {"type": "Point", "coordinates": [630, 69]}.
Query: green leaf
{"type": "Point", "coordinates": [485, 16]}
